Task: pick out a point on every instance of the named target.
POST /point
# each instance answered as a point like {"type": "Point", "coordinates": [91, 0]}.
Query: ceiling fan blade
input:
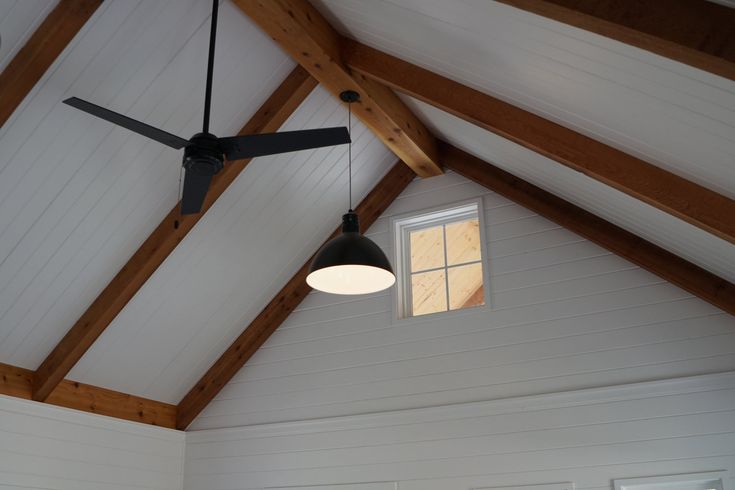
{"type": "Point", "coordinates": [256, 145]}
{"type": "Point", "coordinates": [136, 126]}
{"type": "Point", "coordinates": [195, 190]}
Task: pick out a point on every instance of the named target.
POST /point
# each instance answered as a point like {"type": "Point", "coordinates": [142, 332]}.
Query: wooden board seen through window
{"type": "Point", "coordinates": [446, 267]}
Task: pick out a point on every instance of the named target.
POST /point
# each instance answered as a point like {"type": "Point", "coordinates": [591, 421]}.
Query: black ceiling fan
{"type": "Point", "coordinates": [204, 153]}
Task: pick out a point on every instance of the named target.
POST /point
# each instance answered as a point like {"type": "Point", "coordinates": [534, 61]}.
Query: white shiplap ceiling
{"type": "Point", "coordinates": [671, 233]}
{"type": "Point", "coordinates": [77, 197]}
{"type": "Point", "coordinates": [670, 114]}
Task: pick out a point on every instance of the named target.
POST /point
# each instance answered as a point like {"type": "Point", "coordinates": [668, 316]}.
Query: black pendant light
{"type": "Point", "coordinates": [350, 263]}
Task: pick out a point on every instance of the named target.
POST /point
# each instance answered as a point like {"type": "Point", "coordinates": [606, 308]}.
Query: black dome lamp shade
{"type": "Point", "coordinates": [350, 263]}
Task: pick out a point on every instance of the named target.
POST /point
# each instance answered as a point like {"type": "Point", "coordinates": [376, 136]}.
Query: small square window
{"type": "Point", "coordinates": [440, 260]}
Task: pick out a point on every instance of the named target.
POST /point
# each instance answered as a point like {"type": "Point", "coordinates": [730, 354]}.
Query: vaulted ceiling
{"type": "Point", "coordinates": [81, 200]}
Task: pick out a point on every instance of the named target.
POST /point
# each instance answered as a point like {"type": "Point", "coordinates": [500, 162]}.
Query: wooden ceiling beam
{"type": "Point", "coordinates": [159, 245]}
{"type": "Point", "coordinates": [653, 258]}
{"type": "Point", "coordinates": [653, 185]}
{"type": "Point", "coordinates": [304, 33]}
{"type": "Point", "coordinates": [18, 382]}
{"type": "Point", "coordinates": [698, 33]}
{"type": "Point", "coordinates": [281, 306]}
{"type": "Point", "coordinates": [47, 42]}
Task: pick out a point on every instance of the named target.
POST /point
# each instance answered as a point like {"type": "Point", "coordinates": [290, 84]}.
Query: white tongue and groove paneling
{"type": "Point", "coordinates": [668, 113]}
{"type": "Point", "coordinates": [255, 237]}
{"type": "Point", "coordinates": [77, 195]}
{"type": "Point", "coordinates": [586, 438]}
{"type": "Point", "coordinates": [565, 314]}
{"type": "Point", "coordinates": [673, 234]}
{"type": "Point", "coordinates": [18, 21]}
{"type": "Point", "coordinates": [44, 447]}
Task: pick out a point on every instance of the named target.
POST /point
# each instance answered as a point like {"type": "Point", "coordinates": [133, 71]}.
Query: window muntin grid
{"type": "Point", "coordinates": [441, 263]}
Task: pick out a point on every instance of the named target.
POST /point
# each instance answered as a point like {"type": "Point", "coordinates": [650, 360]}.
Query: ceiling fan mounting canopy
{"type": "Point", "coordinates": [203, 156]}
{"type": "Point", "coordinates": [204, 153]}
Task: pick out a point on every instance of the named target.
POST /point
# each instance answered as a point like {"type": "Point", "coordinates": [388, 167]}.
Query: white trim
{"type": "Point", "coordinates": [651, 482]}
{"type": "Point", "coordinates": [441, 214]}
{"type": "Point", "coordinates": [387, 485]}
{"type": "Point", "coordinates": [648, 389]}
{"type": "Point", "coordinates": [541, 486]}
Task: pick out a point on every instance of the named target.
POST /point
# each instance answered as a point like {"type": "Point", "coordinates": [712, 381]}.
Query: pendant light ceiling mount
{"type": "Point", "coordinates": [349, 96]}
{"type": "Point", "coordinates": [350, 263]}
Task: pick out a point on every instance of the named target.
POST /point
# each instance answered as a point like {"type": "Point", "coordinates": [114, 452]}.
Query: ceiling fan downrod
{"type": "Point", "coordinates": [210, 66]}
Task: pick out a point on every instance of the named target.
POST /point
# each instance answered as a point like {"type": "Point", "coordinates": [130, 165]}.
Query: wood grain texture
{"type": "Point", "coordinates": [281, 306]}
{"type": "Point", "coordinates": [303, 33]}
{"type": "Point", "coordinates": [698, 33]}
{"type": "Point", "coordinates": [664, 190]}
{"type": "Point", "coordinates": [41, 50]}
{"type": "Point", "coordinates": [18, 382]}
{"type": "Point", "coordinates": [15, 381]}
{"type": "Point", "coordinates": [653, 258]}
{"type": "Point", "coordinates": [151, 254]}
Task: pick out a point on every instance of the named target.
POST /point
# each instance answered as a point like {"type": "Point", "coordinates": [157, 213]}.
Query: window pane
{"type": "Point", "coordinates": [429, 292]}
{"type": "Point", "coordinates": [463, 242]}
{"type": "Point", "coordinates": [427, 249]}
{"type": "Point", "coordinates": [465, 286]}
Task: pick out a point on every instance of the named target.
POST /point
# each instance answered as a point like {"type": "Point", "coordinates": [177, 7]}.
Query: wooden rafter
{"type": "Point", "coordinates": [675, 195]}
{"type": "Point", "coordinates": [699, 33]}
{"type": "Point", "coordinates": [653, 258]}
{"type": "Point", "coordinates": [340, 64]}
{"type": "Point", "coordinates": [287, 299]}
{"type": "Point", "coordinates": [304, 33]}
{"type": "Point", "coordinates": [18, 382]}
{"type": "Point", "coordinates": [159, 245]}
{"type": "Point", "coordinates": [44, 46]}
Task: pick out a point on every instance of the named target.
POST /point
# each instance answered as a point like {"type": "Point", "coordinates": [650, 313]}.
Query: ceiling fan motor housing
{"type": "Point", "coordinates": [203, 155]}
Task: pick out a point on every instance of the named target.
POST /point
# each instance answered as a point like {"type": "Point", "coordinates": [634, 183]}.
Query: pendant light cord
{"type": "Point", "coordinates": [349, 151]}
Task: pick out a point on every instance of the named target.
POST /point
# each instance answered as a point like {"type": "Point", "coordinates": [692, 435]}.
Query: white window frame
{"type": "Point", "coordinates": [403, 224]}
{"type": "Point", "coordinates": [541, 486]}
{"type": "Point", "coordinates": [702, 480]}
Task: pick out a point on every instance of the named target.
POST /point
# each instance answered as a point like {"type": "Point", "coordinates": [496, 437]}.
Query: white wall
{"type": "Point", "coordinates": [51, 448]}
{"type": "Point", "coordinates": [565, 315]}
{"type": "Point", "coordinates": [586, 437]}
